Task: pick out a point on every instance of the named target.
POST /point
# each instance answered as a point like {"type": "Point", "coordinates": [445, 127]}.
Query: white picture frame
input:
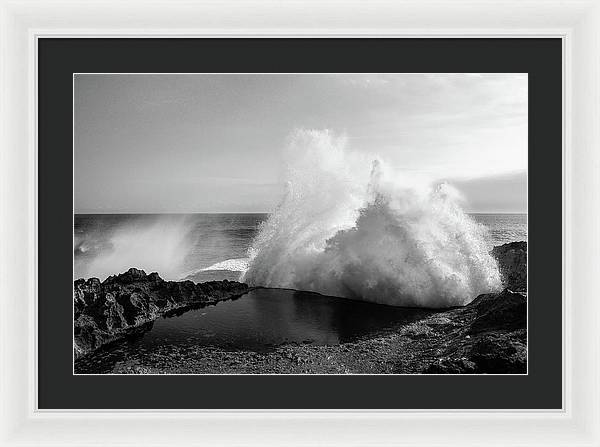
{"type": "Point", "coordinates": [576, 22]}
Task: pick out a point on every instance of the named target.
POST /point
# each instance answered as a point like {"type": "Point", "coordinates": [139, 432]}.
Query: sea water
{"type": "Point", "coordinates": [200, 247]}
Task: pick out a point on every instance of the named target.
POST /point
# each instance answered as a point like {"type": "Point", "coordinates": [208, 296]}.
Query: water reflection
{"type": "Point", "coordinates": [258, 321]}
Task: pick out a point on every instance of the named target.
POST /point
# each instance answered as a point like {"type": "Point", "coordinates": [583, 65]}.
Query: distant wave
{"type": "Point", "coordinates": [350, 227]}
{"type": "Point", "coordinates": [236, 265]}
{"type": "Point", "coordinates": [233, 265]}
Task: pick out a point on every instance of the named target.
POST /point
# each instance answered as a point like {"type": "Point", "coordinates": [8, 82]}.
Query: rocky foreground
{"type": "Point", "coordinates": [125, 304]}
{"type": "Point", "coordinates": [489, 335]}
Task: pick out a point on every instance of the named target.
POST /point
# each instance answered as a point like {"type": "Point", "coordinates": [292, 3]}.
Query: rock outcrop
{"type": "Point", "coordinates": [126, 303]}
{"type": "Point", "coordinates": [512, 261]}
{"type": "Point", "coordinates": [490, 338]}
{"type": "Point", "coordinates": [490, 333]}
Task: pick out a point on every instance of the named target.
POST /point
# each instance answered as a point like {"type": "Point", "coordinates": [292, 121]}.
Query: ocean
{"type": "Point", "coordinates": [200, 247]}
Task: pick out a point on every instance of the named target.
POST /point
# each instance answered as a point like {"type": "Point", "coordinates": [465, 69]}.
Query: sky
{"type": "Point", "coordinates": [214, 143]}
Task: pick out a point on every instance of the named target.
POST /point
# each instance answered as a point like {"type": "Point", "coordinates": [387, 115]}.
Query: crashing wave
{"type": "Point", "coordinates": [349, 227]}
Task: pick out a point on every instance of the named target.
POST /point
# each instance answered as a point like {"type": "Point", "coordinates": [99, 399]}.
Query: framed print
{"type": "Point", "coordinates": [347, 265]}
{"type": "Point", "coordinates": [390, 248]}
{"type": "Point", "coordinates": [332, 237]}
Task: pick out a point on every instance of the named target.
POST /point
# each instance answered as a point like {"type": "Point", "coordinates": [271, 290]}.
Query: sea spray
{"type": "Point", "coordinates": [349, 227]}
{"type": "Point", "coordinates": [155, 244]}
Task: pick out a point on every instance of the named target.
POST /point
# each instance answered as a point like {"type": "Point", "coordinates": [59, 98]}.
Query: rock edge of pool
{"type": "Point", "coordinates": [489, 335]}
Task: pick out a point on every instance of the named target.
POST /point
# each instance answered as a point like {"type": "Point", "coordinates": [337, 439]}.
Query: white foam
{"type": "Point", "coordinates": [233, 265]}
{"type": "Point", "coordinates": [349, 227]}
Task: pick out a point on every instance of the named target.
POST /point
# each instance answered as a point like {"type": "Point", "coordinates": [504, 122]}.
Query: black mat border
{"type": "Point", "coordinates": [59, 58]}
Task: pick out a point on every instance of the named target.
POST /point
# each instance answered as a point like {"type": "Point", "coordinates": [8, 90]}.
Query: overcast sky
{"type": "Point", "coordinates": [213, 143]}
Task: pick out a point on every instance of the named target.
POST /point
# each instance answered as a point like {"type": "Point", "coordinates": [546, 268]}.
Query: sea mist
{"type": "Point", "coordinates": [154, 243]}
{"type": "Point", "coordinates": [350, 227]}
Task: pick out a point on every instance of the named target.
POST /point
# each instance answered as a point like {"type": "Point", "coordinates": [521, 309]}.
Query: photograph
{"type": "Point", "coordinates": [300, 223]}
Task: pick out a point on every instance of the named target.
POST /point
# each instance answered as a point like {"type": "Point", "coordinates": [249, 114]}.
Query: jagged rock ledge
{"type": "Point", "coordinates": [123, 304]}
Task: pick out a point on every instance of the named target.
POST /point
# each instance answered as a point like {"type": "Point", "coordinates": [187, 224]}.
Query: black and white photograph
{"type": "Point", "coordinates": [300, 223]}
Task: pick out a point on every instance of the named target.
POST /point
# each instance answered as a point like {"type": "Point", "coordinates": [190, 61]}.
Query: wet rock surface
{"type": "Point", "coordinates": [124, 304]}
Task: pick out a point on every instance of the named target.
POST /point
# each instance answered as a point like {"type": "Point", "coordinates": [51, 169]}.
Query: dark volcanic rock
{"type": "Point", "coordinates": [491, 337]}
{"type": "Point", "coordinates": [107, 311]}
{"type": "Point", "coordinates": [500, 353]}
{"type": "Point", "coordinates": [512, 261]}
{"type": "Point", "coordinates": [504, 311]}
{"type": "Point", "coordinates": [451, 366]}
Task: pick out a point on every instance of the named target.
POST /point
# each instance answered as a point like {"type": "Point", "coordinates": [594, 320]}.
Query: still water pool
{"type": "Point", "coordinates": [258, 321]}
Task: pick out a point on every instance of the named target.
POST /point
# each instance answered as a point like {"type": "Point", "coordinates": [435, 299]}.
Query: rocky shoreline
{"type": "Point", "coordinates": [124, 304]}
{"type": "Point", "coordinates": [489, 335]}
